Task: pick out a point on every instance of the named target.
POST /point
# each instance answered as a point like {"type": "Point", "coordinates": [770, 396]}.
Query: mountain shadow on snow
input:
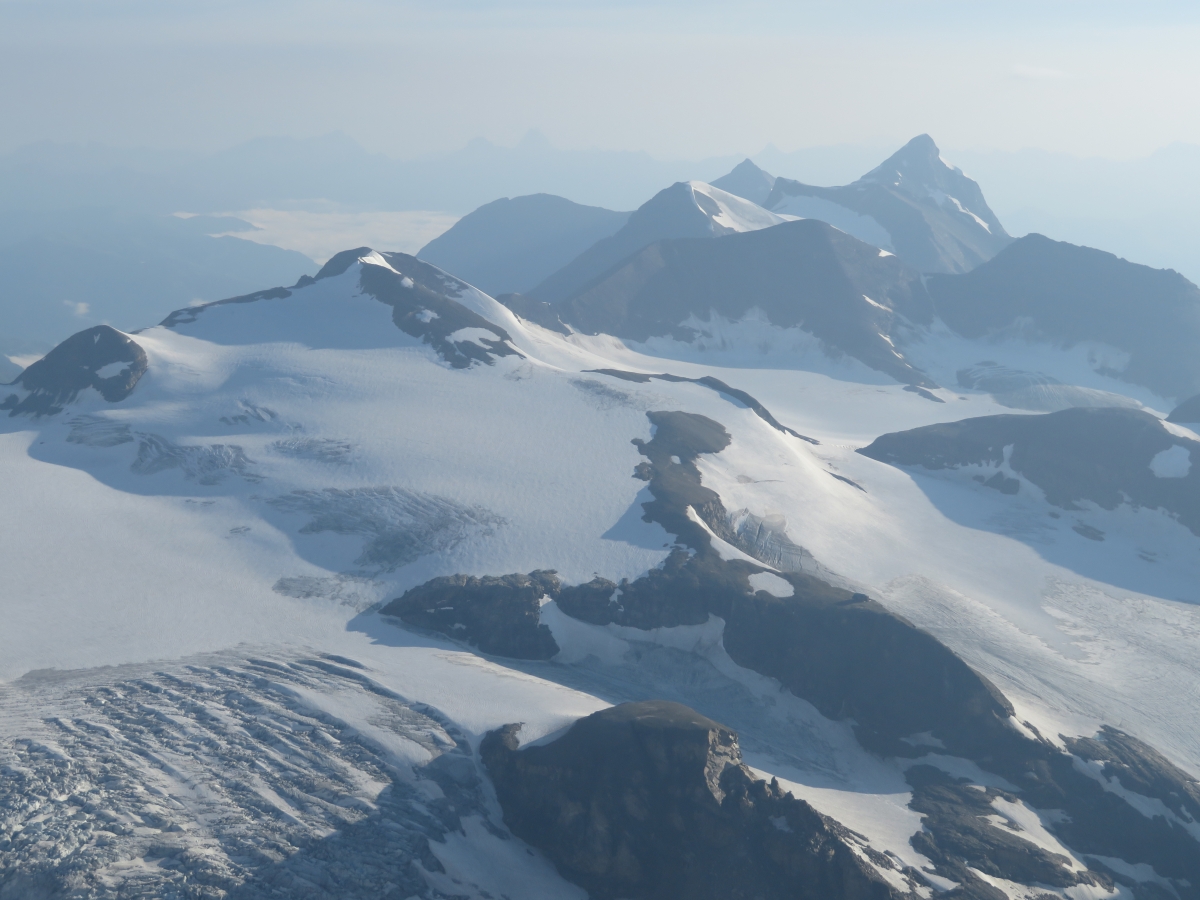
{"type": "Point", "coordinates": [803, 274]}
{"type": "Point", "coordinates": [652, 800]}
{"type": "Point", "coordinates": [914, 204]}
{"type": "Point", "coordinates": [100, 357]}
{"type": "Point", "coordinates": [1061, 293]}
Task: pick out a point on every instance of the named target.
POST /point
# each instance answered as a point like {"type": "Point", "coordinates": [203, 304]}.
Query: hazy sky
{"type": "Point", "coordinates": [679, 79]}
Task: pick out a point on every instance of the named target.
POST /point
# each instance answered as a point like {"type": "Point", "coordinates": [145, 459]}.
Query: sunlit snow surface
{"type": "Point", "coordinates": [220, 540]}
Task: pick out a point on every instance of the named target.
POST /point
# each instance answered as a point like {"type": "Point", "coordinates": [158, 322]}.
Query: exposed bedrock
{"type": "Point", "coordinates": [100, 357]}
{"type": "Point", "coordinates": [907, 694]}
{"type": "Point", "coordinates": [424, 302]}
{"type": "Point", "coordinates": [652, 800]}
{"type": "Point", "coordinates": [496, 614]}
{"type": "Point", "coordinates": [1104, 456]}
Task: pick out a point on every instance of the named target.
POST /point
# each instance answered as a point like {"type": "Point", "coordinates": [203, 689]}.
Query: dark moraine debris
{"type": "Point", "coordinates": [100, 357]}
{"type": "Point", "coordinates": [652, 800]}
{"type": "Point", "coordinates": [1107, 456]}
{"type": "Point", "coordinates": [498, 615]}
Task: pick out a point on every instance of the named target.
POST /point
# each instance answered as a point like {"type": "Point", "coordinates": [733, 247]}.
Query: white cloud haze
{"type": "Point", "coordinates": [680, 80]}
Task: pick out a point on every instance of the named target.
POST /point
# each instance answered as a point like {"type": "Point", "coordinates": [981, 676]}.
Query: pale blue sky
{"type": "Point", "coordinates": [681, 80]}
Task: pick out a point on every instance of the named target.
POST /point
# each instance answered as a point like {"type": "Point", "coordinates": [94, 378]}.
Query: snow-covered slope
{"type": "Point", "coordinates": [687, 209]}
{"type": "Point", "coordinates": [201, 691]}
{"type": "Point", "coordinates": [914, 204]}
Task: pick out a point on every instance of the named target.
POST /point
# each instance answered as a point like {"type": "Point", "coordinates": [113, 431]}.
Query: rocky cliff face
{"type": "Point", "coordinates": [652, 800]}
{"type": "Point", "coordinates": [100, 357]}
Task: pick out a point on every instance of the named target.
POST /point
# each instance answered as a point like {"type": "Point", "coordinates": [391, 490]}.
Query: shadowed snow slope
{"type": "Point", "coordinates": [687, 209]}
{"type": "Point", "coordinates": [804, 275]}
{"type": "Point", "coordinates": [914, 204]}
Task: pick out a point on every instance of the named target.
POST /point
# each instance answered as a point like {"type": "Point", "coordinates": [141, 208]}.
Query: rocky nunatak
{"type": "Point", "coordinates": [849, 657]}
{"type": "Point", "coordinates": [101, 358]}
{"type": "Point", "coordinates": [498, 615]}
{"type": "Point", "coordinates": [652, 800]}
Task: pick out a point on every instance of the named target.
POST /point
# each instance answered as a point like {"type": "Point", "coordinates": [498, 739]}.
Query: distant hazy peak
{"type": "Point", "coordinates": [919, 170]}
{"type": "Point", "coordinates": [919, 160]}
{"type": "Point", "coordinates": [748, 181]}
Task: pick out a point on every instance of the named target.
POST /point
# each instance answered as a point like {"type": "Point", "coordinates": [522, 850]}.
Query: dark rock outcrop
{"type": "Point", "coordinates": [1141, 769]}
{"type": "Point", "coordinates": [498, 615]}
{"type": "Point", "coordinates": [803, 274]}
{"type": "Point", "coordinates": [960, 835]}
{"type": "Point", "coordinates": [652, 800]}
{"type": "Point", "coordinates": [1104, 456]}
{"type": "Point", "coordinates": [423, 298]}
{"type": "Point", "coordinates": [100, 357]}
{"type": "Point", "coordinates": [841, 651]}
{"type": "Point", "coordinates": [712, 383]}
{"type": "Point", "coordinates": [424, 304]}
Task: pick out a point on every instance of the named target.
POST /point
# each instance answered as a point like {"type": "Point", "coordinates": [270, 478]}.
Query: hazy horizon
{"type": "Point", "coordinates": [680, 81]}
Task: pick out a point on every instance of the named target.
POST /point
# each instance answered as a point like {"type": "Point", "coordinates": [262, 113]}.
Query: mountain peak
{"type": "Point", "coordinates": [747, 181]}
{"type": "Point", "coordinates": [917, 163]}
